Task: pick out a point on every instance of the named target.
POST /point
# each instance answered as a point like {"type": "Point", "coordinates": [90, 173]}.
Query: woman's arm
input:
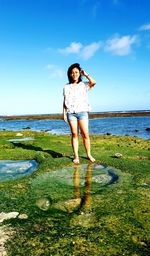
{"type": "Point", "coordinates": [64, 112]}
{"type": "Point", "coordinates": [92, 82]}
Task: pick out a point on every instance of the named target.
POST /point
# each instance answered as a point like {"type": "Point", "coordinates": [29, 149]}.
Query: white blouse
{"type": "Point", "coordinates": [76, 97]}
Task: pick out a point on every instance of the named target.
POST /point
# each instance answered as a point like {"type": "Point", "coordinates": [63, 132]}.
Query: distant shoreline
{"type": "Point", "coordinates": [91, 115]}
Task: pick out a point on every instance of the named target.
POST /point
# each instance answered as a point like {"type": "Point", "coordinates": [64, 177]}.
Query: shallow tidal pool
{"type": "Point", "coordinates": [14, 169]}
{"type": "Point", "coordinates": [71, 188]}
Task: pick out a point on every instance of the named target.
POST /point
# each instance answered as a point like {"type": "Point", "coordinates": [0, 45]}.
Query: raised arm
{"type": "Point", "coordinates": [92, 82]}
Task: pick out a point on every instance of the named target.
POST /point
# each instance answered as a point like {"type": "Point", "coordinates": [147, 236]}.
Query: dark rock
{"type": "Point", "coordinates": [108, 133]}
{"type": "Point", "coordinates": [26, 128]}
{"type": "Point", "coordinates": [147, 129]}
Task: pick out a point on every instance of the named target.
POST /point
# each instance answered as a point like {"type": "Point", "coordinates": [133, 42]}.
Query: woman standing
{"type": "Point", "coordinates": [76, 108]}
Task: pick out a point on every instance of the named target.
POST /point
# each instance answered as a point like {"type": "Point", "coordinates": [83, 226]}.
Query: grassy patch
{"type": "Point", "coordinates": [117, 221]}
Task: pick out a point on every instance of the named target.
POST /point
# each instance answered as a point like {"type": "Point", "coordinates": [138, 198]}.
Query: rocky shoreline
{"type": "Point", "coordinates": [91, 115]}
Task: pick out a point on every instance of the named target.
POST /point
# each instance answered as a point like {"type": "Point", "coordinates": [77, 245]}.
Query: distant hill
{"type": "Point", "coordinates": [91, 115]}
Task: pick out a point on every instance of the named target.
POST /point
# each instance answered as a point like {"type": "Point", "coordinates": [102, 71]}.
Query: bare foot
{"type": "Point", "coordinates": [92, 159]}
{"type": "Point", "coordinates": [76, 161]}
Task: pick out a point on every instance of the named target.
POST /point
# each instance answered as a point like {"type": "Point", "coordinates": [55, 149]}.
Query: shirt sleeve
{"type": "Point", "coordinates": [64, 91]}
{"type": "Point", "coordinates": [87, 86]}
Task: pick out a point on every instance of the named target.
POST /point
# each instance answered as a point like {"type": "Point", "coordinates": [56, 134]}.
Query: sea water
{"type": "Point", "coordinates": [133, 126]}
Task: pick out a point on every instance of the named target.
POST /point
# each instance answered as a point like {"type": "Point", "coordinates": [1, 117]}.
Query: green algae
{"type": "Point", "coordinates": [79, 219]}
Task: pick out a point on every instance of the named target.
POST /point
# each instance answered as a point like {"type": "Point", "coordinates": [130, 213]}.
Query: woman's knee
{"type": "Point", "coordinates": [85, 135]}
{"type": "Point", "coordinates": [74, 135]}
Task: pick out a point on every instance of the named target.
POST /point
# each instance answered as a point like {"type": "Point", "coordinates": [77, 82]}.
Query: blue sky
{"type": "Point", "coordinates": [39, 39]}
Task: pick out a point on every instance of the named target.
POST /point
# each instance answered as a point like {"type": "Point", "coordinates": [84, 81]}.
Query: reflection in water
{"type": "Point", "coordinates": [86, 199]}
{"type": "Point", "coordinates": [76, 180]}
{"type": "Point", "coordinates": [71, 189]}
{"type": "Point", "coordinates": [88, 178]}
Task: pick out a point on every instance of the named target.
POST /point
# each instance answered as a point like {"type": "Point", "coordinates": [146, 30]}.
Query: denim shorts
{"type": "Point", "coordinates": [77, 116]}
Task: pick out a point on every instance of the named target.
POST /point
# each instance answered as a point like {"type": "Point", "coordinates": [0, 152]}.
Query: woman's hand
{"type": "Point", "coordinates": [92, 82]}
{"type": "Point", "coordinates": [65, 118]}
{"type": "Point", "coordinates": [83, 73]}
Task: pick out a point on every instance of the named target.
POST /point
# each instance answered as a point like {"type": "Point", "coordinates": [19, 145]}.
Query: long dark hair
{"type": "Point", "coordinates": [75, 65]}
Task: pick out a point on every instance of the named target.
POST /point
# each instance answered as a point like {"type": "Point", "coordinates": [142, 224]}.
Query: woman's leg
{"type": "Point", "coordinates": [74, 139]}
{"type": "Point", "coordinates": [83, 124]}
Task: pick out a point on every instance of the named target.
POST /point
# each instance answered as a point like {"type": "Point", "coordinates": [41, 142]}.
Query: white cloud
{"type": "Point", "coordinates": [121, 45]}
{"type": "Point", "coordinates": [55, 71]}
{"type": "Point", "coordinates": [89, 50]}
{"type": "Point", "coordinates": [73, 48]}
{"type": "Point", "coordinates": [85, 52]}
{"type": "Point", "coordinates": [145, 27]}
{"type": "Point", "coordinates": [117, 45]}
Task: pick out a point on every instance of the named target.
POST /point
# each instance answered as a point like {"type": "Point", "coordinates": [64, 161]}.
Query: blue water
{"type": "Point", "coordinates": [14, 169]}
{"type": "Point", "coordinates": [114, 125]}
